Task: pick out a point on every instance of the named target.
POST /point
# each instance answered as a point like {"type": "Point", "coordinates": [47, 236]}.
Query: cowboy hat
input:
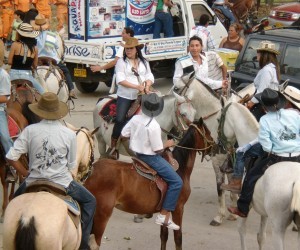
{"type": "Point", "coordinates": [40, 20]}
{"type": "Point", "coordinates": [271, 99]}
{"type": "Point", "coordinates": [132, 42]}
{"type": "Point", "coordinates": [49, 107]}
{"type": "Point", "coordinates": [27, 30]}
{"type": "Point", "coordinates": [292, 94]}
{"type": "Point", "coordinates": [152, 104]}
{"type": "Point", "coordinates": [268, 47]}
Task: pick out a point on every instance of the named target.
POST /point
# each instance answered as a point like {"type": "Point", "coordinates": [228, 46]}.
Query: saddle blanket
{"type": "Point", "coordinates": [109, 111]}
{"type": "Point", "coordinates": [13, 127]}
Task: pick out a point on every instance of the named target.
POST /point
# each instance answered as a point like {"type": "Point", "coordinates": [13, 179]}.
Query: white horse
{"type": "Point", "coordinates": [171, 116]}
{"type": "Point", "coordinates": [239, 125]}
{"type": "Point", "coordinates": [276, 198]}
{"type": "Point", "coordinates": [36, 219]}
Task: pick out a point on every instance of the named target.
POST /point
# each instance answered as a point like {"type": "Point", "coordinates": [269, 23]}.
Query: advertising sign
{"type": "Point", "coordinates": [76, 19]}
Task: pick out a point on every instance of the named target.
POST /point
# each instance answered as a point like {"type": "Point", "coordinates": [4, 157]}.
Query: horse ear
{"type": "Point", "coordinates": [70, 126]}
{"type": "Point", "coordinates": [95, 130]}
{"type": "Point", "coordinates": [200, 121]}
{"type": "Point", "coordinates": [179, 98]}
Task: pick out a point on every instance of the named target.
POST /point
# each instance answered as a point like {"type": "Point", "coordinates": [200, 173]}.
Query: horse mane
{"type": "Point", "coordinates": [251, 120]}
{"type": "Point", "coordinates": [209, 89]}
{"type": "Point", "coordinates": [29, 115]}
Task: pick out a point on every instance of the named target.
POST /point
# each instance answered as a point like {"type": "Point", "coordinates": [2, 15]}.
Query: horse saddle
{"type": "Point", "coordinates": [146, 171]}
{"type": "Point", "coordinates": [109, 110]}
{"type": "Point", "coordinates": [219, 14]}
{"type": "Point", "coordinates": [46, 61]}
{"type": "Point", "coordinates": [13, 127]}
{"type": "Point", "coordinates": [60, 192]}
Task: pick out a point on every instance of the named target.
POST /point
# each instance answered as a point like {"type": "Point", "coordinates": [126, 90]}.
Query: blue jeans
{"type": "Point", "coordinates": [163, 22]}
{"type": "Point", "coordinates": [226, 12]}
{"type": "Point", "coordinates": [5, 139]}
{"type": "Point", "coordinates": [123, 106]}
{"type": "Point", "coordinates": [255, 151]}
{"type": "Point", "coordinates": [16, 74]}
{"type": "Point", "coordinates": [165, 171]}
{"type": "Point", "coordinates": [67, 75]}
{"type": "Point", "coordinates": [87, 203]}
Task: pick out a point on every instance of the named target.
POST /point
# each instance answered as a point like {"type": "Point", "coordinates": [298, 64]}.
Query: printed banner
{"type": "Point", "coordinates": [76, 19]}
{"type": "Point", "coordinates": [160, 47]}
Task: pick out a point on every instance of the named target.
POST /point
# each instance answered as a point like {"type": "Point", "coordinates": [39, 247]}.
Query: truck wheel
{"type": "Point", "coordinates": [85, 87]}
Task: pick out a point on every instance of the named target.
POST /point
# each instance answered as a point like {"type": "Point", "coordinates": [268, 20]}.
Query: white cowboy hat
{"type": "Point", "coordinates": [26, 30]}
{"type": "Point", "coordinates": [267, 46]}
{"type": "Point", "coordinates": [292, 94]}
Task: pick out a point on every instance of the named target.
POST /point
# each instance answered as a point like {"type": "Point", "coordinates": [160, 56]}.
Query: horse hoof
{"type": "Point", "coordinates": [148, 216]}
{"type": "Point", "coordinates": [232, 217]}
{"type": "Point", "coordinates": [137, 219]}
{"type": "Point", "coordinates": [215, 223]}
{"type": "Point", "coordinates": [295, 228]}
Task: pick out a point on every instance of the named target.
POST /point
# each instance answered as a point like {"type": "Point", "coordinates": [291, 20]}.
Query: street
{"type": "Point", "coordinates": [122, 233]}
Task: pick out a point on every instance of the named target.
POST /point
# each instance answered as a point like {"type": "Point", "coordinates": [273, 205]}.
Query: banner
{"type": "Point", "coordinates": [76, 19]}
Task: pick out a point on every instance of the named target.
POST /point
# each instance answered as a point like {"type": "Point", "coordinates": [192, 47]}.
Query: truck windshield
{"type": "Point", "coordinates": [198, 10]}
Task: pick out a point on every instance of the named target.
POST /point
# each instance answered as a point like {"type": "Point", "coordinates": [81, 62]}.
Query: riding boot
{"type": "Point", "coordinates": [235, 185]}
{"type": "Point", "coordinates": [113, 153]}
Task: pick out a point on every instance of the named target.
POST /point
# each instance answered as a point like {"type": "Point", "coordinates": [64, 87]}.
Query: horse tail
{"type": "Point", "coordinates": [26, 234]}
{"type": "Point", "coordinates": [295, 205]}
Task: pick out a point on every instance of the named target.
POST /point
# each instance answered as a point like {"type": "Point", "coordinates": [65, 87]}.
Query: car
{"type": "Point", "coordinates": [285, 14]}
{"type": "Point", "coordinates": [286, 41]}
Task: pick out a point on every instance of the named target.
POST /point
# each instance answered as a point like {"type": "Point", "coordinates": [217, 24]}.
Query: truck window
{"type": "Point", "coordinates": [198, 10]}
{"type": "Point", "coordinates": [291, 64]}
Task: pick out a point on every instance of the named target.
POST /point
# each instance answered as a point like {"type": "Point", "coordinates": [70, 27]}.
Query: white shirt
{"type": "Point", "coordinates": [5, 86]}
{"type": "Point", "coordinates": [145, 137]}
{"type": "Point", "coordinates": [266, 78]}
{"type": "Point", "coordinates": [201, 72]}
{"type": "Point", "coordinates": [51, 148]}
{"type": "Point", "coordinates": [123, 72]}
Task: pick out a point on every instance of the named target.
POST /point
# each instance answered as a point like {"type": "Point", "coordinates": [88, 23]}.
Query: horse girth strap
{"type": "Point", "coordinates": [221, 135]}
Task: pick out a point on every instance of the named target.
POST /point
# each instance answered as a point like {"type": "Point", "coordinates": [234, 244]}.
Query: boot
{"type": "Point", "coordinates": [235, 185]}
{"type": "Point", "coordinates": [113, 152]}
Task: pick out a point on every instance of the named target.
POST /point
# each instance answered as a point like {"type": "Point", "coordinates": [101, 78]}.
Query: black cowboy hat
{"type": "Point", "coordinates": [271, 99]}
{"type": "Point", "coordinates": [152, 104]}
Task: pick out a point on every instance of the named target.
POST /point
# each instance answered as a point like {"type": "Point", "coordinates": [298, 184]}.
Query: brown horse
{"type": "Point", "coordinates": [117, 184]}
{"type": "Point", "coordinates": [22, 123]}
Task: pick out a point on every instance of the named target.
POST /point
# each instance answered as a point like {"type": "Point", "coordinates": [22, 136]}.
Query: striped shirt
{"type": "Point", "coordinates": [206, 37]}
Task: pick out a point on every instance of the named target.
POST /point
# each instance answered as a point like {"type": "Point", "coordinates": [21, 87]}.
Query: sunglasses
{"type": "Point", "coordinates": [130, 48]}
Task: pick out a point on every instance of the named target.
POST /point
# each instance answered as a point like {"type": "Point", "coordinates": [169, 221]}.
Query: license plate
{"type": "Point", "coordinates": [80, 72]}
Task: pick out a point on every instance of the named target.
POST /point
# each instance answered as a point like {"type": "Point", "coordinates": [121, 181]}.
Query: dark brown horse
{"type": "Point", "coordinates": [117, 184]}
{"type": "Point", "coordinates": [22, 123]}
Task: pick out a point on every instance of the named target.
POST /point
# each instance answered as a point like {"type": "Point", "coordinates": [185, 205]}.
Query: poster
{"type": "Point", "coordinates": [77, 19]}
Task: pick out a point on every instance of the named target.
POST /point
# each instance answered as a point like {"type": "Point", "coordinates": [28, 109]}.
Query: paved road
{"type": "Point", "coordinates": [123, 234]}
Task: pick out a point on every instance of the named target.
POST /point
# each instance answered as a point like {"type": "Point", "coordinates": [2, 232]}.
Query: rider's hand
{"type": "Point", "coordinates": [95, 68]}
{"type": "Point", "coordinates": [169, 143]}
{"type": "Point", "coordinates": [140, 88]}
{"type": "Point", "coordinates": [250, 104]}
{"type": "Point", "coordinates": [243, 148]}
{"type": "Point", "coordinates": [224, 83]}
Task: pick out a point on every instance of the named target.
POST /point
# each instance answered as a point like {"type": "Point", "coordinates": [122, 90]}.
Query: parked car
{"type": "Point", "coordinates": [285, 14]}
{"type": "Point", "coordinates": [286, 41]}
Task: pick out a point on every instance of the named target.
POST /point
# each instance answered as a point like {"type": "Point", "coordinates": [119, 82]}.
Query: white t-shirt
{"type": "Point", "coordinates": [145, 137]}
{"type": "Point", "coordinates": [51, 148]}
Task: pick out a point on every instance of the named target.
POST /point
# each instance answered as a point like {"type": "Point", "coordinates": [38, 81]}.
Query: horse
{"type": "Point", "coordinates": [175, 110]}
{"type": "Point", "coordinates": [21, 123]}
{"type": "Point", "coordinates": [85, 152]}
{"type": "Point", "coordinates": [276, 198]}
{"type": "Point", "coordinates": [234, 119]}
{"type": "Point", "coordinates": [52, 80]}
{"type": "Point", "coordinates": [116, 184]}
{"type": "Point", "coordinates": [29, 221]}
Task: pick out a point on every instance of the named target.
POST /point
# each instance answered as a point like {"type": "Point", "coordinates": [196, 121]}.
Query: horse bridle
{"type": "Point", "coordinates": [91, 156]}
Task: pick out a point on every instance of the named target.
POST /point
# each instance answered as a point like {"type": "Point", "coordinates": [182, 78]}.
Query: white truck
{"type": "Point", "coordinates": [95, 28]}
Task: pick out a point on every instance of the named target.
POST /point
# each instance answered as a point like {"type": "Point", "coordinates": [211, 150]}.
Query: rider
{"type": "Point", "coordinates": [47, 47]}
{"type": "Point", "coordinates": [145, 140]}
{"type": "Point", "coordinates": [5, 86]}
{"type": "Point", "coordinates": [129, 85]}
{"type": "Point", "coordinates": [279, 137]}
{"type": "Point", "coordinates": [199, 62]}
{"type": "Point", "coordinates": [224, 7]}
{"type": "Point", "coordinates": [51, 148]}
{"type": "Point", "coordinates": [23, 56]}
{"type": "Point", "coordinates": [267, 77]}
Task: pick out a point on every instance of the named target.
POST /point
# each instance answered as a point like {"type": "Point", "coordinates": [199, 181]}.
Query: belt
{"type": "Point", "coordinates": [294, 154]}
{"type": "Point", "coordinates": [161, 11]}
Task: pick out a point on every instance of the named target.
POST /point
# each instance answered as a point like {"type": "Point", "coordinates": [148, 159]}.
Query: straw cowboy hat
{"type": "Point", "coordinates": [132, 42]}
{"type": "Point", "coordinates": [152, 104]}
{"type": "Point", "coordinates": [267, 46]}
{"type": "Point", "coordinates": [40, 22]}
{"type": "Point", "coordinates": [49, 107]}
{"type": "Point", "coordinates": [292, 94]}
{"type": "Point", "coordinates": [271, 99]}
{"type": "Point", "coordinates": [27, 30]}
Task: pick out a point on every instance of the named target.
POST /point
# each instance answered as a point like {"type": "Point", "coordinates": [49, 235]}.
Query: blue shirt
{"type": "Point", "coordinates": [279, 131]}
{"type": "Point", "coordinates": [47, 45]}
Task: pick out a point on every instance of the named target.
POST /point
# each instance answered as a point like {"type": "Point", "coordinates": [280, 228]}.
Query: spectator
{"type": "Point", "coordinates": [22, 5]}
{"type": "Point", "coordinates": [163, 19]}
{"type": "Point", "coordinates": [61, 15]}
{"type": "Point", "coordinates": [224, 7]}
{"type": "Point", "coordinates": [7, 17]}
{"type": "Point", "coordinates": [18, 19]}
{"type": "Point", "coordinates": [43, 7]}
{"type": "Point", "coordinates": [202, 32]}
{"type": "Point", "coordinates": [233, 40]}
